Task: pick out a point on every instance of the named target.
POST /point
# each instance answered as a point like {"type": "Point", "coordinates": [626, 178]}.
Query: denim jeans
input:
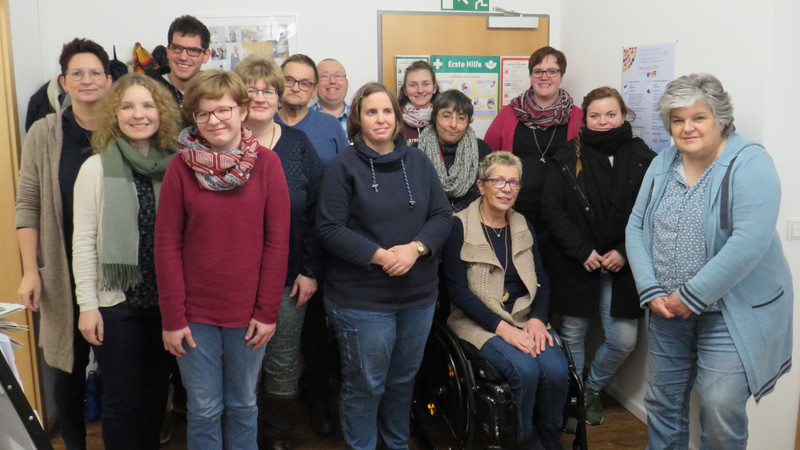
{"type": "Point", "coordinates": [282, 353]}
{"type": "Point", "coordinates": [381, 352]}
{"type": "Point", "coordinates": [541, 383]}
{"type": "Point", "coordinates": [134, 368]}
{"type": "Point", "coordinates": [220, 377]}
{"type": "Point", "coordinates": [684, 350]}
{"type": "Point", "coordinates": [619, 339]}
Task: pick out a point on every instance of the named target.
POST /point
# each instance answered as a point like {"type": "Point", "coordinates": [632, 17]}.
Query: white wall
{"type": "Point", "coordinates": [751, 47]}
{"type": "Point", "coordinates": [343, 29]}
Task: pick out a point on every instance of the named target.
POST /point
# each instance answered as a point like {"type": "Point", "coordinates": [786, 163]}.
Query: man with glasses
{"type": "Point", "coordinates": [332, 90]}
{"type": "Point", "coordinates": [187, 50]}
{"type": "Point", "coordinates": [301, 77]}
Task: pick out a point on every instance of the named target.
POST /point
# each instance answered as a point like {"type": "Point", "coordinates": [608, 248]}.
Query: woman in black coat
{"type": "Point", "coordinates": [586, 202]}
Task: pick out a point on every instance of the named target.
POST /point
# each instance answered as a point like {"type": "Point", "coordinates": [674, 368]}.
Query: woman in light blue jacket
{"type": "Point", "coordinates": [708, 263]}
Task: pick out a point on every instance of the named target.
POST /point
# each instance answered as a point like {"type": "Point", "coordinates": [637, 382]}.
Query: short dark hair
{"type": "Point", "coordinates": [189, 25]}
{"type": "Point", "coordinates": [539, 55]}
{"type": "Point", "coordinates": [302, 59]}
{"type": "Point", "coordinates": [354, 129]}
{"type": "Point", "coordinates": [81, 45]}
{"type": "Point", "coordinates": [453, 98]}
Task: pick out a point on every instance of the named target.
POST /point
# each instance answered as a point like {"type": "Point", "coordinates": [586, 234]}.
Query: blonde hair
{"type": "Point", "coordinates": [169, 115]}
{"type": "Point", "coordinates": [259, 66]}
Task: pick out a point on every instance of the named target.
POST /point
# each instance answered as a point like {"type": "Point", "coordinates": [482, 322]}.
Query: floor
{"type": "Point", "coordinates": [621, 431]}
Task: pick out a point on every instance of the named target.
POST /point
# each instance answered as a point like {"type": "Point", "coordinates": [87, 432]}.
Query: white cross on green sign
{"type": "Point", "coordinates": [465, 5]}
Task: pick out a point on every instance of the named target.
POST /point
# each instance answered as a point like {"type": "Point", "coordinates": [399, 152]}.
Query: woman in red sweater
{"type": "Point", "coordinates": [221, 247]}
{"type": "Point", "coordinates": [536, 124]}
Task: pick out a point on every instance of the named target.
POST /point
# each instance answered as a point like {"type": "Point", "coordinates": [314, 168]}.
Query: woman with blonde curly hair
{"type": "Point", "coordinates": [116, 193]}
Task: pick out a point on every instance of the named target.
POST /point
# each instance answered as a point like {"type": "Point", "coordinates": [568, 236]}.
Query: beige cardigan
{"type": "Point", "coordinates": [39, 206]}
{"type": "Point", "coordinates": [486, 276]}
{"type": "Point", "coordinates": [87, 239]}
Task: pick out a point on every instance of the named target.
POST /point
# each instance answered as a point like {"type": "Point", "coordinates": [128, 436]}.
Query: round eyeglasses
{"type": "Point", "coordinates": [221, 113]}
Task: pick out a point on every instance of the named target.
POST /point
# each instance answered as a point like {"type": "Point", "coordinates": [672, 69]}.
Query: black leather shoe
{"type": "Point", "coordinates": [321, 420]}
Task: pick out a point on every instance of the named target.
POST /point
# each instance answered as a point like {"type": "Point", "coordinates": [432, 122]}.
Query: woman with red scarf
{"type": "Point", "coordinates": [536, 124]}
{"type": "Point", "coordinates": [221, 247]}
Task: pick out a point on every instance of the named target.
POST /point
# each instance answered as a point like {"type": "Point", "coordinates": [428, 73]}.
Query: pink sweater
{"type": "Point", "coordinates": [500, 135]}
{"type": "Point", "coordinates": [221, 256]}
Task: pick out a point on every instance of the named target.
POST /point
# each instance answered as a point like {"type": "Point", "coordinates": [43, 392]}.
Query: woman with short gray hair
{"type": "Point", "coordinates": [708, 263]}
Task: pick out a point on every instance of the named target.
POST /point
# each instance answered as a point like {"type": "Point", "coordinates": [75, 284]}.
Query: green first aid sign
{"type": "Point", "coordinates": [465, 5]}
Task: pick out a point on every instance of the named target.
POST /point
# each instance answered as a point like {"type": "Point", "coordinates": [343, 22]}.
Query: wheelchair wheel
{"type": "Point", "coordinates": [440, 410]}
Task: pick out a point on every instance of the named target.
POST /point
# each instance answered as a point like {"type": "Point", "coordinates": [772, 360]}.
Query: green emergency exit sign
{"type": "Point", "coordinates": [465, 5]}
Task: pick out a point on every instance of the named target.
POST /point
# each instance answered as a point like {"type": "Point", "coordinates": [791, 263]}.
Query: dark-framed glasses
{"type": "Point", "coordinates": [500, 183]}
{"type": "Point", "coordinates": [551, 73]}
{"type": "Point", "coordinates": [267, 93]}
{"type": "Point", "coordinates": [332, 76]}
{"type": "Point", "coordinates": [221, 113]}
{"type": "Point", "coordinates": [191, 51]}
{"type": "Point", "coordinates": [304, 84]}
{"type": "Point", "coordinates": [78, 74]}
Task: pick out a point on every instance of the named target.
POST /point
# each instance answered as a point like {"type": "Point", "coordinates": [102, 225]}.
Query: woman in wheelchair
{"type": "Point", "coordinates": [500, 298]}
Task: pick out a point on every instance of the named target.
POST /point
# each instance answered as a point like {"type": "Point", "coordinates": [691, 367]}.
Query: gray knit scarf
{"type": "Point", "coordinates": [461, 176]}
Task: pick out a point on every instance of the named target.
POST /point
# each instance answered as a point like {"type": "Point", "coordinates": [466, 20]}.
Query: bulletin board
{"type": "Point", "coordinates": [447, 33]}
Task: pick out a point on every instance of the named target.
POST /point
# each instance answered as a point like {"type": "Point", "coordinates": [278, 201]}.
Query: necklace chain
{"type": "Point", "coordinates": [272, 139]}
{"type": "Point", "coordinates": [496, 233]}
{"type": "Point", "coordinates": [536, 140]}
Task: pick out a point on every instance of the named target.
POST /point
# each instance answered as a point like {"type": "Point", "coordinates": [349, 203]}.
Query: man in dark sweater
{"type": "Point", "coordinates": [188, 40]}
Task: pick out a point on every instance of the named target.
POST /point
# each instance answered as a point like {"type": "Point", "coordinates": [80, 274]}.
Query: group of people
{"type": "Point", "coordinates": [222, 222]}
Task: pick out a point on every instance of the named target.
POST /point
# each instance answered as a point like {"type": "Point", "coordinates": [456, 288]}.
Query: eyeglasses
{"type": "Point", "coordinates": [304, 84]}
{"type": "Point", "coordinates": [499, 183]}
{"type": "Point", "coordinates": [221, 113]}
{"type": "Point", "coordinates": [335, 77]}
{"type": "Point", "coordinates": [268, 93]}
{"type": "Point", "coordinates": [78, 74]}
{"type": "Point", "coordinates": [551, 73]}
{"type": "Point", "coordinates": [191, 51]}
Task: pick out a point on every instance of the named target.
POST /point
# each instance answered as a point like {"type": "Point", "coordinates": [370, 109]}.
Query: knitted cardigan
{"type": "Point", "coordinates": [486, 277]}
{"type": "Point", "coordinates": [39, 206]}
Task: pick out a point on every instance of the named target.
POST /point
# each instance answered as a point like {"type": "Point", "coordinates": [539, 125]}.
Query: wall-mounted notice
{"type": "Point", "coordinates": [514, 77]}
{"type": "Point", "coordinates": [476, 76]}
{"type": "Point", "coordinates": [646, 70]}
{"type": "Point", "coordinates": [233, 38]}
{"type": "Point", "coordinates": [401, 63]}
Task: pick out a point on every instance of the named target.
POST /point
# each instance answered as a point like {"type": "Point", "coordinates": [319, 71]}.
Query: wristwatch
{"type": "Point", "coordinates": [420, 247]}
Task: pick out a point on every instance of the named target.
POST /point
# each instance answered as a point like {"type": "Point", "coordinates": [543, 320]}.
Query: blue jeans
{"type": "Point", "coordinates": [682, 351]}
{"type": "Point", "coordinates": [619, 339]}
{"type": "Point", "coordinates": [135, 369]}
{"type": "Point", "coordinates": [220, 377]}
{"type": "Point", "coordinates": [282, 353]}
{"type": "Point", "coordinates": [540, 383]}
{"type": "Point", "coordinates": [381, 352]}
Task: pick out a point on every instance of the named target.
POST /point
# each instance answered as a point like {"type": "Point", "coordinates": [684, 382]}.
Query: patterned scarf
{"type": "Point", "coordinates": [534, 116]}
{"type": "Point", "coordinates": [218, 170]}
{"type": "Point", "coordinates": [417, 117]}
{"type": "Point", "coordinates": [459, 179]}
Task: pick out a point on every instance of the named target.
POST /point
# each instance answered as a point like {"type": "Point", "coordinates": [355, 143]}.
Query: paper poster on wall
{"type": "Point", "coordinates": [401, 63]}
{"type": "Point", "coordinates": [514, 77]}
{"type": "Point", "coordinates": [476, 76]}
{"type": "Point", "coordinates": [646, 70]}
{"type": "Point", "coordinates": [233, 38]}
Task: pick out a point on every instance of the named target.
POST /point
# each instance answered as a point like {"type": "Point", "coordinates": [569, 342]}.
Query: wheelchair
{"type": "Point", "coordinates": [462, 403]}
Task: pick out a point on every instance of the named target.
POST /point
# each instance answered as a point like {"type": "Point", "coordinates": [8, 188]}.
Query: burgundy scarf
{"type": "Point", "coordinates": [534, 116]}
{"type": "Point", "coordinates": [218, 170]}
